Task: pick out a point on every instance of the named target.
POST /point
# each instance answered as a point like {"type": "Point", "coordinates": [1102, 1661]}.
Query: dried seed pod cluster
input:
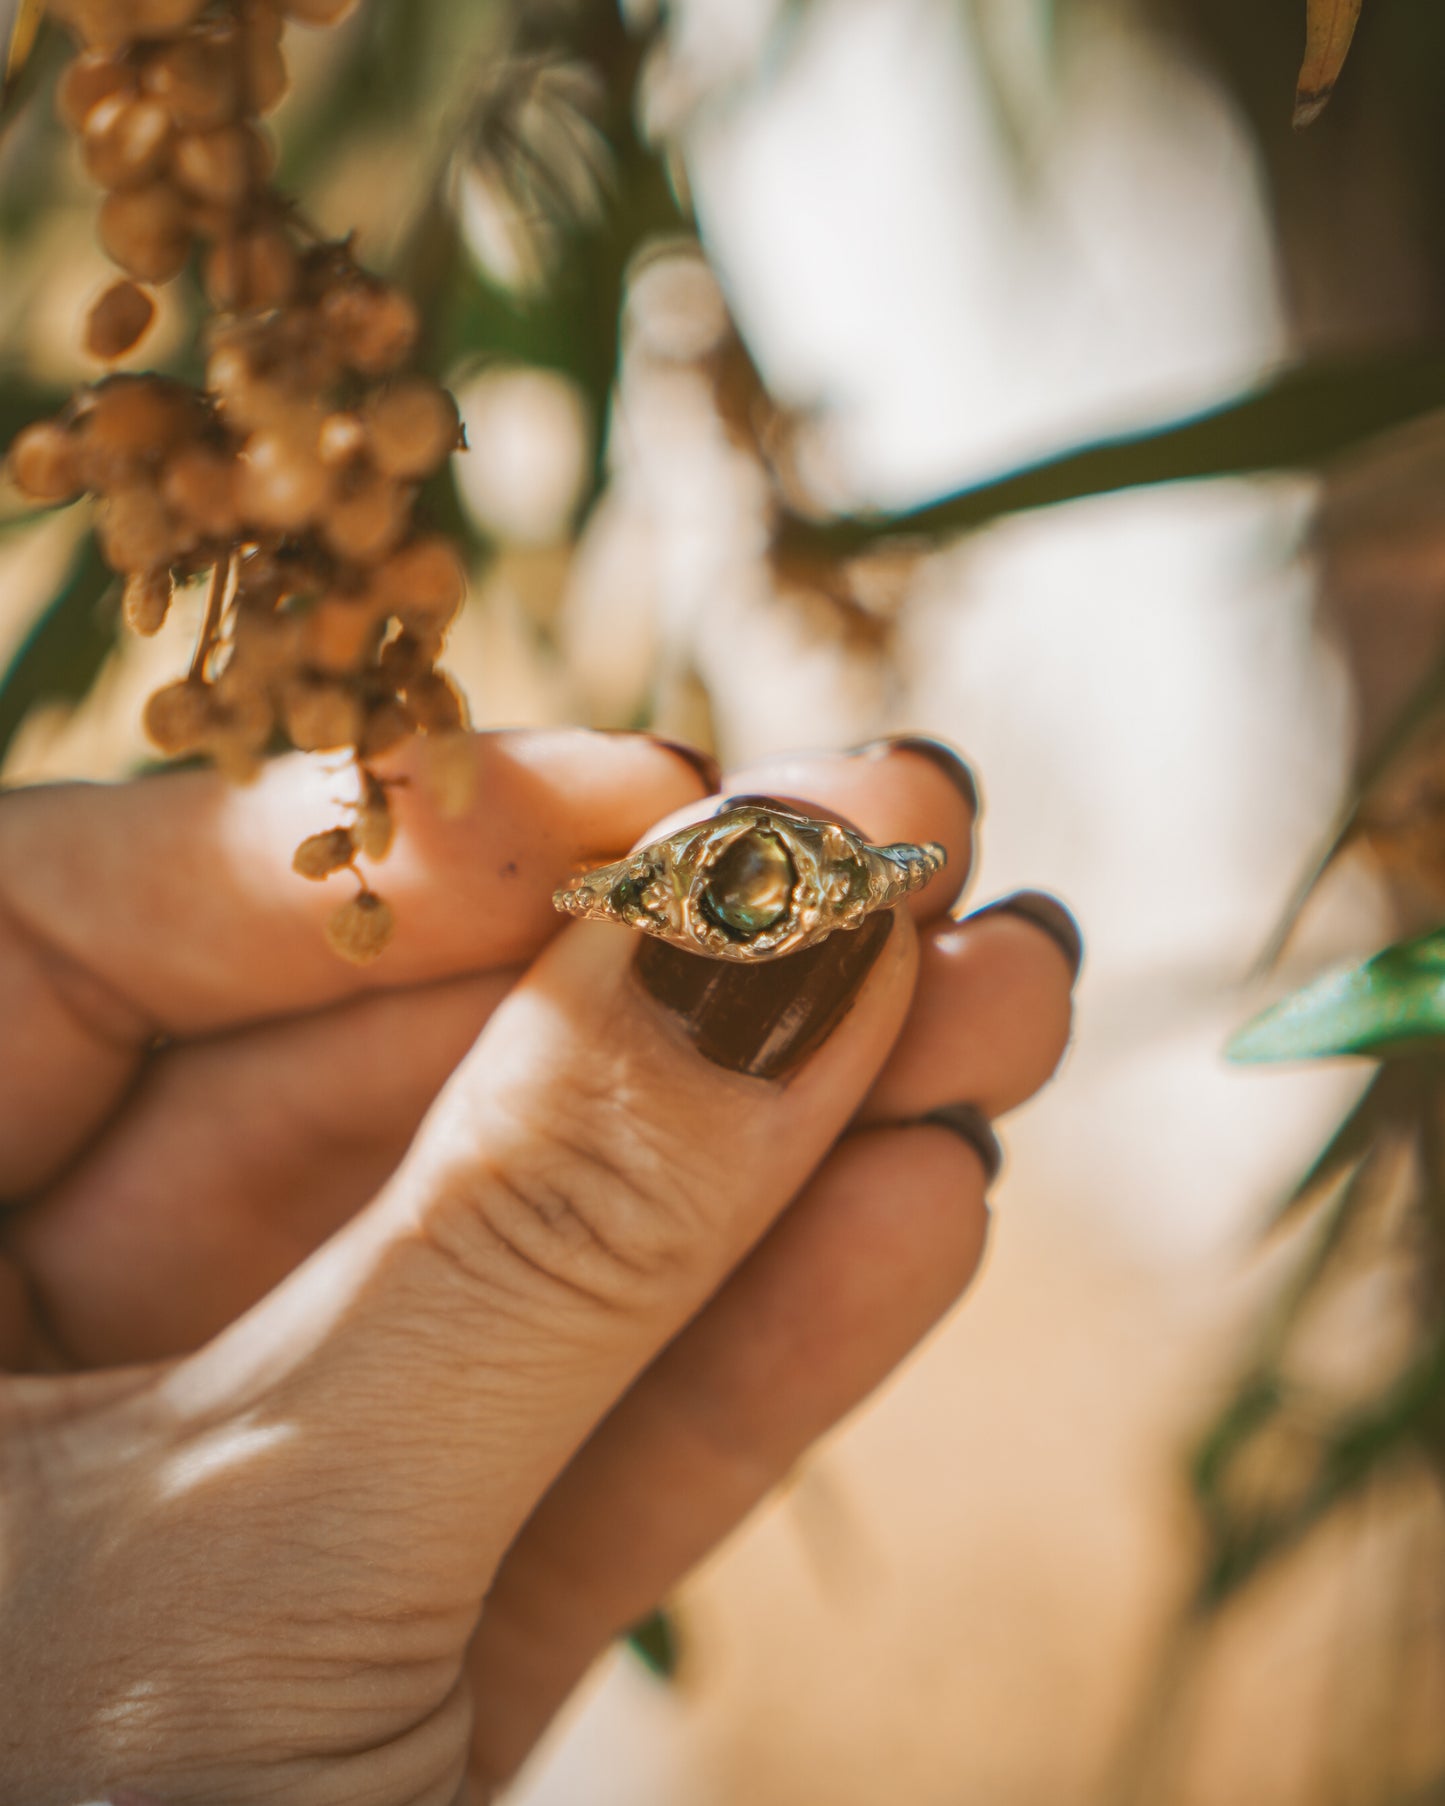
{"type": "Point", "coordinates": [291, 476]}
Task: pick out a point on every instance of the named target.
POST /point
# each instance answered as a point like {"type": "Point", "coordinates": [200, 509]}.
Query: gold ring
{"type": "Point", "coordinates": [751, 884]}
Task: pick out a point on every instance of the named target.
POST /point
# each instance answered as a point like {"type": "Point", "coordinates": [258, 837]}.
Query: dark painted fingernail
{"type": "Point", "coordinates": [955, 769]}
{"type": "Point", "coordinates": [971, 1125]}
{"type": "Point", "coordinates": [763, 1020]}
{"type": "Point", "coordinates": [703, 763]}
{"type": "Point", "coordinates": [1044, 912]}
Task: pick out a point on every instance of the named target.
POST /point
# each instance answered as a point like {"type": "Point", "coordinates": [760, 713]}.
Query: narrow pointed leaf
{"type": "Point", "coordinates": [1329, 29]}
{"type": "Point", "coordinates": [1340, 1156]}
{"type": "Point", "coordinates": [1393, 1003]}
{"type": "Point", "coordinates": [1300, 419]}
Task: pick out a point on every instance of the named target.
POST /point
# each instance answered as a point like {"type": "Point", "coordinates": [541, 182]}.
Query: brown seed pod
{"type": "Point", "coordinates": [435, 704]}
{"type": "Point", "coordinates": [87, 80]}
{"type": "Point", "coordinates": [342, 440]}
{"type": "Point", "coordinates": [373, 327]}
{"type": "Point", "coordinates": [44, 463]}
{"type": "Point", "coordinates": [338, 634]}
{"type": "Point", "coordinates": [135, 530]}
{"type": "Point", "coordinates": [361, 929]}
{"type": "Point", "coordinates": [251, 271]}
{"type": "Point", "coordinates": [198, 80]}
{"type": "Point", "coordinates": [410, 428]}
{"type": "Point", "coordinates": [218, 166]}
{"type": "Point", "coordinates": [125, 141]}
{"type": "Point", "coordinates": [319, 855]}
{"type": "Point", "coordinates": [178, 717]}
{"type": "Point", "coordinates": [264, 76]}
{"type": "Point", "coordinates": [367, 519]}
{"type": "Point", "coordinates": [118, 321]}
{"type": "Point", "coordinates": [387, 724]}
{"type": "Point", "coordinates": [282, 485]}
{"type": "Point", "coordinates": [320, 715]}
{"type": "Point", "coordinates": [128, 424]}
{"type": "Point", "coordinates": [147, 601]}
{"type": "Point", "coordinates": [145, 231]}
{"type": "Point", "coordinates": [425, 581]}
{"type": "Point", "coordinates": [199, 487]}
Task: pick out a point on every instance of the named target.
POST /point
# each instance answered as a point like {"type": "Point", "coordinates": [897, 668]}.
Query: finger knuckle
{"type": "Point", "coordinates": [589, 1202]}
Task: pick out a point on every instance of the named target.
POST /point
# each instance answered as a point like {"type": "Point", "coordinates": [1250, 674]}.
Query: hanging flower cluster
{"type": "Point", "coordinates": [291, 476]}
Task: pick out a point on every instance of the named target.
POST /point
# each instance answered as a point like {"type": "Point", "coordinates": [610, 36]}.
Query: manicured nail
{"type": "Point", "coordinates": [1044, 912]}
{"type": "Point", "coordinates": [939, 752]}
{"type": "Point", "coordinates": [971, 1125]}
{"type": "Point", "coordinates": [703, 763]}
{"type": "Point", "coordinates": [763, 1020]}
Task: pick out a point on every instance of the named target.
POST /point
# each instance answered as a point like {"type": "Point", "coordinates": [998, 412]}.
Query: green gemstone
{"type": "Point", "coordinates": [751, 886]}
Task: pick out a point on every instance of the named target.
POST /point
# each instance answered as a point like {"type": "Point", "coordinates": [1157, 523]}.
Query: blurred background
{"type": "Point", "coordinates": [731, 292]}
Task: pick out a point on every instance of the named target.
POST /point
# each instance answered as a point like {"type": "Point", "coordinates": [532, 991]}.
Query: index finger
{"type": "Point", "coordinates": [169, 906]}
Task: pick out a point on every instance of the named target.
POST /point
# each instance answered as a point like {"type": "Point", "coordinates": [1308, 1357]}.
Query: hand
{"type": "Point", "coordinates": [360, 1435]}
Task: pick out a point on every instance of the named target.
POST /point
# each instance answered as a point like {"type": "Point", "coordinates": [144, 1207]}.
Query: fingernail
{"type": "Point", "coordinates": [1044, 912]}
{"type": "Point", "coordinates": [763, 1020]}
{"type": "Point", "coordinates": [703, 763]}
{"type": "Point", "coordinates": [939, 752]}
{"type": "Point", "coordinates": [970, 1124]}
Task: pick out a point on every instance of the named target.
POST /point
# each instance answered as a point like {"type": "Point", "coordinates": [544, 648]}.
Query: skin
{"type": "Point", "coordinates": [381, 1342]}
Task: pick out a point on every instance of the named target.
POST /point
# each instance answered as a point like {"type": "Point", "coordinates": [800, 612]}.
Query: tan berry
{"type": "Point", "coordinates": [147, 601]}
{"type": "Point", "coordinates": [360, 930]}
{"type": "Point", "coordinates": [411, 427]}
{"type": "Point", "coordinates": [118, 321]}
{"type": "Point", "coordinates": [145, 231]}
{"type": "Point", "coordinates": [214, 166]}
{"type": "Point", "coordinates": [251, 270]}
{"type": "Point", "coordinates": [319, 855]}
{"type": "Point", "coordinates": [283, 485]}
{"type": "Point", "coordinates": [338, 634]}
{"type": "Point", "coordinates": [135, 530]}
{"type": "Point", "coordinates": [178, 717]}
{"type": "Point", "coordinates": [43, 463]}
{"type": "Point", "coordinates": [198, 80]}
{"type": "Point", "coordinates": [125, 141]}
{"type": "Point", "coordinates": [320, 715]}
{"type": "Point", "coordinates": [342, 440]}
{"type": "Point", "coordinates": [375, 328]}
{"type": "Point", "coordinates": [199, 486]}
{"type": "Point", "coordinates": [387, 724]}
{"type": "Point", "coordinates": [263, 66]}
{"type": "Point", "coordinates": [435, 703]}
{"type": "Point", "coordinates": [425, 581]}
{"type": "Point", "coordinates": [129, 423]}
{"type": "Point", "coordinates": [87, 80]}
{"type": "Point", "coordinates": [367, 519]}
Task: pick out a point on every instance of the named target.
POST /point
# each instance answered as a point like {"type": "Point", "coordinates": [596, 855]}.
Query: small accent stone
{"type": "Point", "coordinates": [751, 885]}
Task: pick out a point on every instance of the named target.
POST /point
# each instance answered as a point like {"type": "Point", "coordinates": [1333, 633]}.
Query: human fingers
{"type": "Point", "coordinates": [237, 1156]}
{"type": "Point", "coordinates": [880, 1244]}
{"type": "Point", "coordinates": [991, 1015]}
{"type": "Point", "coordinates": [170, 907]}
{"type": "Point", "coordinates": [626, 1127]}
{"type": "Point", "coordinates": [849, 1279]}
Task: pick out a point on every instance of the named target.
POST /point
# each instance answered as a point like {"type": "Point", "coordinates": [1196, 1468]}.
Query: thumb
{"type": "Point", "coordinates": [630, 1122]}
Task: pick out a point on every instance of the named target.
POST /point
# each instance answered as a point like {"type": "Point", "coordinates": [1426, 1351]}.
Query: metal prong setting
{"type": "Point", "coordinates": [751, 884]}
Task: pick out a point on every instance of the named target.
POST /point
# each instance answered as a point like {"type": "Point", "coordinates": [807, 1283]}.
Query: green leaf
{"type": "Point", "coordinates": [656, 1643]}
{"type": "Point", "coordinates": [1392, 1004]}
{"type": "Point", "coordinates": [1299, 420]}
{"type": "Point", "coordinates": [60, 657]}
